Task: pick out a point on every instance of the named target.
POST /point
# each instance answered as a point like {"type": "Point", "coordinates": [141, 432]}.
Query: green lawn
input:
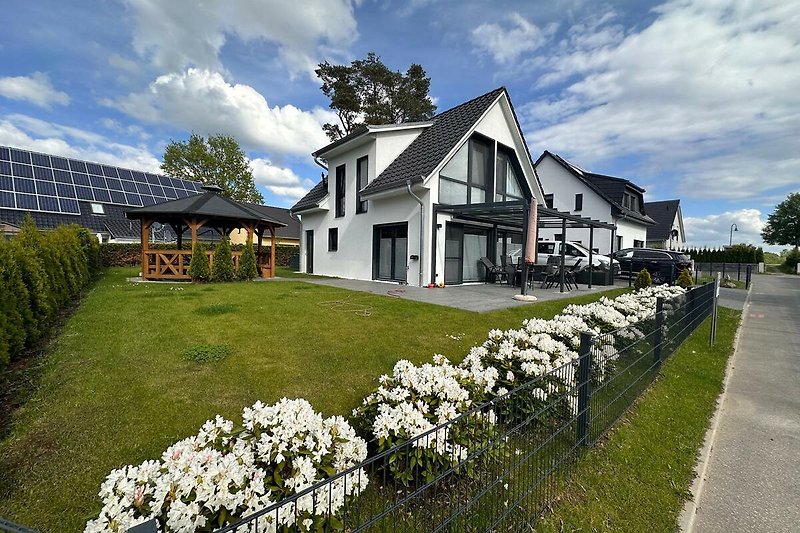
{"type": "Point", "coordinates": [638, 479]}
{"type": "Point", "coordinates": [116, 387]}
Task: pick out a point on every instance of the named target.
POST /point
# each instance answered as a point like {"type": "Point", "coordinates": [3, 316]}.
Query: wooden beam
{"type": "Point", "coordinates": [145, 226]}
{"type": "Point", "coordinates": [272, 253]}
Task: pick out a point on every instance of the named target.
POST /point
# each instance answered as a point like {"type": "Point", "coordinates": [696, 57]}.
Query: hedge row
{"type": "Point", "coordinates": [738, 253]}
{"type": "Point", "coordinates": [124, 255]}
{"type": "Point", "coordinates": [40, 273]}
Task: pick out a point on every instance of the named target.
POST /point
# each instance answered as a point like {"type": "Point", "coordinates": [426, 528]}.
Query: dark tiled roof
{"type": "Point", "coordinates": [292, 228]}
{"type": "Point", "coordinates": [664, 215]}
{"type": "Point", "coordinates": [312, 197]}
{"type": "Point", "coordinates": [113, 222]}
{"type": "Point", "coordinates": [433, 144]}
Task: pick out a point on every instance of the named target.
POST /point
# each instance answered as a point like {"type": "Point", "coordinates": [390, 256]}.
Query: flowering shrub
{"type": "Point", "coordinates": [416, 399]}
{"type": "Point", "coordinates": [221, 475]}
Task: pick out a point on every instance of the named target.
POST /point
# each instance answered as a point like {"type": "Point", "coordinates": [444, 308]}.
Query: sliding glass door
{"type": "Point", "coordinates": [390, 251]}
{"type": "Point", "coordinates": [464, 247]}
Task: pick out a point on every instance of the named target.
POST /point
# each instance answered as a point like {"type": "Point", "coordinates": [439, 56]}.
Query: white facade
{"type": "Point", "coordinates": [359, 242]}
{"type": "Point", "coordinates": [564, 186]}
{"type": "Point", "coordinates": [672, 243]}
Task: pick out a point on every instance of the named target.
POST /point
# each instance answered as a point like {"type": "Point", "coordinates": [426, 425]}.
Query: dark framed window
{"type": "Point", "coordinates": [638, 244]}
{"type": "Point", "coordinates": [333, 239]}
{"type": "Point", "coordinates": [548, 200]}
{"type": "Point", "coordinates": [340, 182]}
{"type": "Point", "coordinates": [578, 201]}
{"type": "Point", "coordinates": [467, 176]}
{"type": "Point", "coordinates": [507, 178]}
{"type": "Point", "coordinates": [362, 171]}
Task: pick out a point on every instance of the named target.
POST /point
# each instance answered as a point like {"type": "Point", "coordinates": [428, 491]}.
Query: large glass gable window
{"type": "Point", "coordinates": [508, 188]}
{"type": "Point", "coordinates": [464, 179]}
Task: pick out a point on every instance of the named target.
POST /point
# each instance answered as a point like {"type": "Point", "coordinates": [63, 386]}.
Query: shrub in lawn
{"type": "Point", "coordinates": [684, 279]}
{"type": "Point", "coordinates": [91, 250]}
{"type": "Point", "coordinates": [205, 353]}
{"type": "Point", "coordinates": [214, 478]}
{"type": "Point", "coordinates": [643, 279]}
{"type": "Point", "coordinates": [16, 320]}
{"type": "Point", "coordinates": [416, 399]}
{"type": "Point", "coordinates": [248, 268]}
{"type": "Point", "coordinates": [223, 261]}
{"type": "Point", "coordinates": [199, 269]}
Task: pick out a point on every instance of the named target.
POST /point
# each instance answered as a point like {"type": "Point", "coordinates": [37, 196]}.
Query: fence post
{"type": "Point", "coordinates": [748, 277]}
{"type": "Point", "coordinates": [659, 337]}
{"type": "Point", "coordinates": [738, 272]}
{"type": "Point", "coordinates": [584, 387]}
{"type": "Point", "coordinates": [713, 337]}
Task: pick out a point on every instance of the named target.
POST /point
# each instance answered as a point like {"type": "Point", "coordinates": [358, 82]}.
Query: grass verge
{"type": "Point", "coordinates": [638, 478]}
{"type": "Point", "coordinates": [115, 387]}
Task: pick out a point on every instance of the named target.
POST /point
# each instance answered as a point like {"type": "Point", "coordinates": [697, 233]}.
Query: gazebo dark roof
{"type": "Point", "coordinates": [209, 204]}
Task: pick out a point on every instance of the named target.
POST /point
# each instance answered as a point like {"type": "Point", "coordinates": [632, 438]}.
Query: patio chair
{"type": "Point", "coordinates": [492, 269]}
{"type": "Point", "coordinates": [510, 272]}
{"type": "Point", "coordinates": [551, 272]}
{"type": "Point", "coordinates": [569, 275]}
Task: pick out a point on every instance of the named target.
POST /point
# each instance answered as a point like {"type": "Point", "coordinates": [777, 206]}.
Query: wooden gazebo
{"type": "Point", "coordinates": [208, 209]}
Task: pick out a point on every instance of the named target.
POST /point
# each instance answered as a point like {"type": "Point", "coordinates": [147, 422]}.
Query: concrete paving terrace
{"type": "Point", "coordinates": [752, 475]}
{"type": "Point", "coordinates": [477, 297]}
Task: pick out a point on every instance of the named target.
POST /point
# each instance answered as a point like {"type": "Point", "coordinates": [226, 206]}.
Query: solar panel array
{"type": "Point", "coordinates": [39, 182]}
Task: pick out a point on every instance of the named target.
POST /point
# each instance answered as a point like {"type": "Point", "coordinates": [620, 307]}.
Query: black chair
{"type": "Point", "coordinates": [492, 269]}
{"type": "Point", "coordinates": [551, 272]}
{"type": "Point", "coordinates": [569, 275]}
{"type": "Point", "coordinates": [511, 273]}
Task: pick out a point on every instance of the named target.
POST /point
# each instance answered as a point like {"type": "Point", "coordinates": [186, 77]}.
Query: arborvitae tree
{"type": "Point", "coordinates": [199, 269]}
{"type": "Point", "coordinates": [643, 279]}
{"type": "Point", "coordinates": [248, 267]}
{"type": "Point", "coordinates": [223, 261]}
{"type": "Point", "coordinates": [684, 279]}
{"type": "Point", "coordinates": [19, 325]}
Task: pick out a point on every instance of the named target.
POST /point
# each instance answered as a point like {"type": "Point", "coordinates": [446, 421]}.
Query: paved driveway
{"type": "Point", "coordinates": [752, 482]}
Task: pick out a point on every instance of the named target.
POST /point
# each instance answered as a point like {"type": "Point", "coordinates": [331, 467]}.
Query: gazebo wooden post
{"type": "Point", "coordinates": [272, 252]}
{"type": "Point", "coordinates": [179, 234]}
{"type": "Point", "coordinates": [145, 225]}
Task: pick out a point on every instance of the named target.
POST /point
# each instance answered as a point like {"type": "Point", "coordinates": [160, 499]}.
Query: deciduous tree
{"type": "Point", "coordinates": [783, 224]}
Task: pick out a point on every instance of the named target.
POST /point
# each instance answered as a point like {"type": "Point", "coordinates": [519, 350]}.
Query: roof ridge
{"type": "Point", "coordinates": [498, 90]}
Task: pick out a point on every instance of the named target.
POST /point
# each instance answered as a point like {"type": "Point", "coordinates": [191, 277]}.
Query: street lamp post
{"type": "Point", "coordinates": [734, 227]}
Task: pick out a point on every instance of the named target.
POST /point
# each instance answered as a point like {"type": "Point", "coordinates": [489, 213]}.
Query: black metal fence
{"type": "Point", "coordinates": [522, 443]}
{"type": "Point", "coordinates": [736, 271]}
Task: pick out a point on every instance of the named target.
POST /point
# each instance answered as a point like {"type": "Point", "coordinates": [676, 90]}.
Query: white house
{"type": "Point", "coordinates": [668, 233]}
{"type": "Point", "coordinates": [376, 215]}
{"type": "Point", "coordinates": [575, 190]}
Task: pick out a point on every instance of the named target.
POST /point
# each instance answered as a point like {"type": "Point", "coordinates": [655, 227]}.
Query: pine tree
{"type": "Point", "coordinates": [643, 279]}
{"type": "Point", "coordinates": [199, 269]}
{"type": "Point", "coordinates": [223, 261]}
{"type": "Point", "coordinates": [684, 279]}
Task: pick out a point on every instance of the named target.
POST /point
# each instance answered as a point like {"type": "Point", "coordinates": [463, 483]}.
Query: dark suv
{"type": "Point", "coordinates": [663, 265]}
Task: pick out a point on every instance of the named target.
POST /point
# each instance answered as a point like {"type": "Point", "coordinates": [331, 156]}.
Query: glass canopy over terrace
{"type": "Point", "coordinates": [516, 215]}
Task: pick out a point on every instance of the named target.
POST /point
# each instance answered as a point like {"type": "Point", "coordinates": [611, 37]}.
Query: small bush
{"type": "Point", "coordinates": [643, 279]}
{"type": "Point", "coordinates": [792, 258]}
{"type": "Point", "coordinates": [223, 262]}
{"type": "Point", "coordinates": [248, 268]}
{"type": "Point", "coordinates": [684, 279]}
{"type": "Point", "coordinates": [199, 269]}
{"type": "Point", "coordinates": [206, 353]}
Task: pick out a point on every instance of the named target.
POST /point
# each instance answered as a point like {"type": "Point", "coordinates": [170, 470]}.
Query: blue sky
{"type": "Point", "coordinates": [691, 100]}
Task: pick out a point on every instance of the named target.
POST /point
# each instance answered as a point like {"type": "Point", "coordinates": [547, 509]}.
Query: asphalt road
{"type": "Point", "coordinates": [752, 481]}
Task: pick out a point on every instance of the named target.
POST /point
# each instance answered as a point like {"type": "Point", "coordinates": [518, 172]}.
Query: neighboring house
{"type": "Point", "coordinates": [668, 232]}
{"type": "Point", "coordinates": [575, 190]}
{"type": "Point", "coordinates": [286, 236]}
{"type": "Point", "coordinates": [363, 220]}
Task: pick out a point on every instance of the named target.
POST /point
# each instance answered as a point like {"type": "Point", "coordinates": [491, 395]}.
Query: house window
{"type": "Point", "coordinates": [638, 244]}
{"type": "Point", "coordinates": [98, 209]}
{"type": "Point", "coordinates": [362, 169]}
{"type": "Point", "coordinates": [578, 201]}
{"type": "Point", "coordinates": [508, 188]}
{"type": "Point", "coordinates": [548, 200]}
{"type": "Point", "coordinates": [340, 177]}
{"type": "Point", "coordinates": [333, 239]}
{"type": "Point", "coordinates": [619, 242]}
{"type": "Point", "coordinates": [463, 180]}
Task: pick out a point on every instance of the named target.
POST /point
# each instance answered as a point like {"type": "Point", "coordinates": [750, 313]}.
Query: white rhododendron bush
{"type": "Point", "coordinates": [219, 476]}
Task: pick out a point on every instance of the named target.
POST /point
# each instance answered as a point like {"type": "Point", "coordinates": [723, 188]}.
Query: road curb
{"type": "Point", "coordinates": [689, 512]}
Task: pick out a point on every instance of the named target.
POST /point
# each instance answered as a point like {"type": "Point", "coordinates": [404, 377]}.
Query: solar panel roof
{"type": "Point", "coordinates": [32, 181]}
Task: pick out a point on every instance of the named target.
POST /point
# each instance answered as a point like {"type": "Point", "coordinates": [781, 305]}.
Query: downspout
{"type": "Point", "coordinates": [421, 226]}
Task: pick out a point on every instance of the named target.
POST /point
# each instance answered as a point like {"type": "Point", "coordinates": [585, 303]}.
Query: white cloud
{"type": "Point", "coordinates": [181, 33]}
{"type": "Point", "coordinates": [707, 92]}
{"type": "Point", "coordinates": [714, 230]}
{"type": "Point", "coordinates": [278, 180]}
{"type": "Point", "coordinates": [29, 133]}
{"type": "Point", "coordinates": [202, 101]}
{"type": "Point", "coordinates": [35, 89]}
{"type": "Point", "coordinates": [505, 43]}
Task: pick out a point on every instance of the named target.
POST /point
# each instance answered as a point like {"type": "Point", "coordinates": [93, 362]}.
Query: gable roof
{"type": "Point", "coordinates": [424, 153]}
{"type": "Point", "coordinates": [281, 214]}
{"type": "Point", "coordinates": [663, 213]}
{"type": "Point", "coordinates": [113, 220]}
{"type": "Point", "coordinates": [610, 188]}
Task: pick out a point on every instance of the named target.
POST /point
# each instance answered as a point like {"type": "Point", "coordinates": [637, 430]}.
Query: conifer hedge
{"type": "Point", "coordinates": [40, 273]}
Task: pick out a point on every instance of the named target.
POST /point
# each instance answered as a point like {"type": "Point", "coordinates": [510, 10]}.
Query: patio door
{"type": "Point", "coordinates": [463, 248]}
{"type": "Point", "coordinates": [309, 251]}
{"type": "Point", "coordinates": [389, 252]}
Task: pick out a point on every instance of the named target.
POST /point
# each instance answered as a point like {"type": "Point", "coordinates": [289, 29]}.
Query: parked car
{"type": "Point", "coordinates": [663, 265]}
{"type": "Point", "coordinates": [572, 252]}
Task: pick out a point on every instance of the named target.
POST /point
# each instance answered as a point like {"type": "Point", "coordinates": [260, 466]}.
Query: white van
{"type": "Point", "coordinates": [572, 252]}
